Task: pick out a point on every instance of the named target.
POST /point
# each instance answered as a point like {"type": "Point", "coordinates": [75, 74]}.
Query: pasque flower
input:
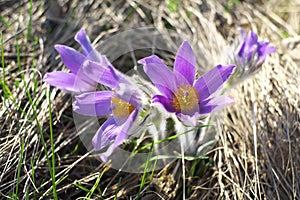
{"type": "Point", "coordinates": [88, 69]}
{"type": "Point", "coordinates": [121, 104]}
{"type": "Point", "coordinates": [76, 81]}
{"type": "Point", "coordinates": [250, 53]}
{"type": "Point", "coordinates": [181, 93]}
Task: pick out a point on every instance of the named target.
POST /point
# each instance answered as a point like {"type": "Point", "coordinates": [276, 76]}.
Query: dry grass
{"type": "Point", "coordinates": [257, 155]}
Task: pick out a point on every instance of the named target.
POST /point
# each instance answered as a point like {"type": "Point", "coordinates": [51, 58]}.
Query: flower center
{"type": "Point", "coordinates": [121, 109]}
{"type": "Point", "coordinates": [186, 99]}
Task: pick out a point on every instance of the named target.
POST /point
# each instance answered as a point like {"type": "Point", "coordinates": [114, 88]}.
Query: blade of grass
{"type": "Point", "coordinates": [171, 137]}
{"type": "Point", "coordinates": [117, 190]}
{"type": "Point", "coordinates": [193, 168]}
{"type": "Point", "coordinates": [51, 142]}
{"type": "Point", "coordinates": [35, 82]}
{"type": "Point", "coordinates": [29, 22]}
{"type": "Point", "coordinates": [3, 72]}
{"type": "Point", "coordinates": [61, 179]}
{"type": "Point", "coordinates": [183, 171]}
{"type": "Point", "coordinates": [27, 194]}
{"type": "Point", "coordinates": [81, 187]}
{"type": "Point", "coordinates": [19, 168]}
{"type": "Point", "coordinates": [18, 56]}
{"type": "Point", "coordinates": [40, 131]}
{"type": "Point", "coordinates": [4, 22]}
{"type": "Point", "coordinates": [96, 184]}
{"type": "Point", "coordinates": [6, 90]}
{"type": "Point", "coordinates": [51, 188]}
{"type": "Point", "coordinates": [32, 176]}
{"type": "Point", "coordinates": [145, 172]}
{"type": "Point", "coordinates": [22, 140]}
{"type": "Point", "coordinates": [186, 157]}
{"type": "Point", "coordinates": [153, 170]}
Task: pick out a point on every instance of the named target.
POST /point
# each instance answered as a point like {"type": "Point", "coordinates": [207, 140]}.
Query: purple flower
{"type": "Point", "coordinates": [76, 81]}
{"type": "Point", "coordinates": [121, 104]}
{"type": "Point", "coordinates": [180, 92]}
{"type": "Point", "coordinates": [251, 53]}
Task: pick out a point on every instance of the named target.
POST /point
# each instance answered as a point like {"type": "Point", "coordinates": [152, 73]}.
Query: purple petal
{"type": "Point", "coordinates": [70, 57]}
{"type": "Point", "coordinates": [94, 103]}
{"type": "Point", "coordinates": [241, 49]}
{"type": "Point", "coordinates": [104, 156]}
{"type": "Point", "coordinates": [105, 134]}
{"type": "Point", "coordinates": [67, 81]}
{"type": "Point", "coordinates": [189, 120]}
{"type": "Point", "coordinates": [125, 128]}
{"type": "Point", "coordinates": [159, 73]}
{"type": "Point", "coordinates": [104, 75]}
{"type": "Point", "coordinates": [251, 45]}
{"type": "Point", "coordinates": [248, 46]}
{"type": "Point", "coordinates": [166, 91]}
{"type": "Point", "coordinates": [97, 57]}
{"type": "Point", "coordinates": [215, 104]}
{"type": "Point", "coordinates": [121, 134]}
{"type": "Point", "coordinates": [181, 80]}
{"type": "Point", "coordinates": [251, 39]}
{"type": "Point", "coordinates": [129, 93]}
{"type": "Point", "coordinates": [167, 103]}
{"type": "Point", "coordinates": [185, 62]}
{"type": "Point", "coordinates": [212, 80]}
{"type": "Point", "coordinates": [105, 62]}
{"type": "Point", "coordinates": [263, 50]}
{"type": "Point", "coordinates": [84, 41]}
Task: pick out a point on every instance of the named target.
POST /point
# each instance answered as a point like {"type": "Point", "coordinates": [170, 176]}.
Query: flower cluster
{"type": "Point", "coordinates": [121, 103]}
{"type": "Point", "coordinates": [180, 92]}
{"type": "Point", "coordinates": [249, 54]}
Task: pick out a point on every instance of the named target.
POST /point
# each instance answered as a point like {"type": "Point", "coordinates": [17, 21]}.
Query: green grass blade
{"type": "Point", "coordinates": [186, 157]}
{"type": "Point", "coordinates": [81, 187]}
{"type": "Point", "coordinates": [117, 190]}
{"type": "Point", "coordinates": [29, 22]}
{"type": "Point", "coordinates": [52, 144]}
{"type": "Point", "coordinates": [20, 167]}
{"type": "Point", "coordinates": [4, 22]}
{"type": "Point", "coordinates": [172, 137]}
{"type": "Point", "coordinates": [91, 192]}
{"type": "Point", "coordinates": [145, 172]}
{"type": "Point", "coordinates": [4, 86]}
{"type": "Point", "coordinates": [40, 131]}
{"type": "Point", "coordinates": [32, 174]}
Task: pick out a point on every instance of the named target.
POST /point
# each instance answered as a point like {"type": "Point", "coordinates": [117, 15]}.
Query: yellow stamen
{"type": "Point", "coordinates": [186, 99]}
{"type": "Point", "coordinates": [121, 109]}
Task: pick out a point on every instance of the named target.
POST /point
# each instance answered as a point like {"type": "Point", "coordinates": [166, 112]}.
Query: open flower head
{"type": "Point", "coordinates": [181, 92]}
{"type": "Point", "coordinates": [250, 53]}
{"type": "Point", "coordinates": [75, 82]}
{"type": "Point", "coordinates": [121, 104]}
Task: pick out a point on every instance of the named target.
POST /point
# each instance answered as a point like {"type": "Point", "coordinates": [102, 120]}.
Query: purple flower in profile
{"type": "Point", "coordinates": [180, 92]}
{"type": "Point", "coordinates": [251, 53]}
{"type": "Point", "coordinates": [121, 104]}
{"type": "Point", "coordinates": [76, 81]}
